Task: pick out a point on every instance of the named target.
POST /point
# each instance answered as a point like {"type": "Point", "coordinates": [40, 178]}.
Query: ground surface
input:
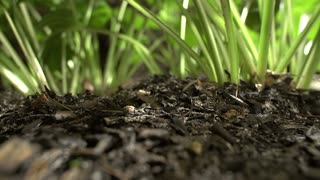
{"type": "Point", "coordinates": [162, 129]}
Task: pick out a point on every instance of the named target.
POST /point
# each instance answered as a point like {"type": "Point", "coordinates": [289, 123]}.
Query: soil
{"type": "Point", "coordinates": [163, 128]}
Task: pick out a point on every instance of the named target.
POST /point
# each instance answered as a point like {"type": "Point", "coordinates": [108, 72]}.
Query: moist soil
{"type": "Point", "coordinates": [163, 128]}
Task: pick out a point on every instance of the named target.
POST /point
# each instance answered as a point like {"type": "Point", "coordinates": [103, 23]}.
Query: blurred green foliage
{"type": "Point", "coordinates": [107, 49]}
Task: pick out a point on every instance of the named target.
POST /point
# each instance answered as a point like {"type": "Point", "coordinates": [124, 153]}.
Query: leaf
{"type": "Point", "coordinates": [301, 8]}
{"type": "Point", "coordinates": [52, 52]}
{"type": "Point", "coordinates": [100, 15]}
{"type": "Point", "coordinates": [60, 20]}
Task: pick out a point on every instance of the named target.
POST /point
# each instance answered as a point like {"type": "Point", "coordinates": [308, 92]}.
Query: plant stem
{"type": "Point", "coordinates": [245, 34]}
{"type": "Point", "coordinates": [267, 17]}
{"type": "Point", "coordinates": [302, 37]}
{"type": "Point", "coordinates": [215, 62]}
{"type": "Point", "coordinates": [183, 27]}
{"type": "Point", "coordinates": [311, 64]}
{"type": "Point", "coordinates": [167, 29]}
{"type": "Point", "coordinates": [111, 60]}
{"type": "Point", "coordinates": [232, 44]}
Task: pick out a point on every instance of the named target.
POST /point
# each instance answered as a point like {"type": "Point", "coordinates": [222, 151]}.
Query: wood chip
{"type": "Point", "coordinates": [14, 152]}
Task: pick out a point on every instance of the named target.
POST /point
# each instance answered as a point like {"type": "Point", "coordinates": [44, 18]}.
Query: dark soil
{"type": "Point", "coordinates": [164, 128]}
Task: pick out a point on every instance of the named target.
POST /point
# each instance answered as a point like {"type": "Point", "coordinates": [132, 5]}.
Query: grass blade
{"type": "Point", "coordinates": [215, 62]}
{"type": "Point", "coordinates": [28, 52]}
{"type": "Point", "coordinates": [183, 27]}
{"type": "Point", "coordinates": [232, 44]}
{"type": "Point", "coordinates": [166, 28]}
{"type": "Point", "coordinates": [311, 64]}
{"type": "Point", "coordinates": [302, 37]}
{"type": "Point", "coordinates": [265, 34]}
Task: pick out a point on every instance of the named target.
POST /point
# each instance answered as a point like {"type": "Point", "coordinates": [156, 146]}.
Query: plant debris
{"type": "Point", "coordinates": [163, 128]}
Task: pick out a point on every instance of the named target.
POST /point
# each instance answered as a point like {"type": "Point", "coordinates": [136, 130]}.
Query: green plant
{"type": "Point", "coordinates": [226, 42]}
{"type": "Point", "coordinates": [61, 49]}
{"type": "Point", "coordinates": [60, 43]}
{"type": "Point", "coordinates": [27, 78]}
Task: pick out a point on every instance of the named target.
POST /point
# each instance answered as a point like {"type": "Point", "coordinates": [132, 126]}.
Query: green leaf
{"type": "Point", "coordinates": [52, 52]}
{"type": "Point", "coordinates": [100, 15]}
{"type": "Point", "coordinates": [60, 20]}
{"type": "Point", "coordinates": [169, 10]}
{"type": "Point", "coordinates": [190, 39]}
{"type": "Point", "coordinates": [308, 8]}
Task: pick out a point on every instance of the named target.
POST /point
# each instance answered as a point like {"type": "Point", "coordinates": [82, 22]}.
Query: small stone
{"type": "Point", "coordinates": [143, 92]}
{"type": "Point", "coordinates": [129, 109]}
{"type": "Point", "coordinates": [14, 152]}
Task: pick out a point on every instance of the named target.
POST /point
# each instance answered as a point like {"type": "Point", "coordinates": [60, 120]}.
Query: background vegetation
{"type": "Point", "coordinates": [68, 45]}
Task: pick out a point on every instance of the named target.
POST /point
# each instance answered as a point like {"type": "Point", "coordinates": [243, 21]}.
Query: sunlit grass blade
{"type": "Point", "coordinates": [301, 38]}
{"type": "Point", "coordinates": [15, 80]}
{"type": "Point", "coordinates": [165, 27]}
{"type": "Point", "coordinates": [215, 61]}
{"type": "Point", "coordinates": [244, 34]}
{"type": "Point", "coordinates": [244, 42]}
{"type": "Point", "coordinates": [222, 48]}
{"type": "Point", "coordinates": [18, 79]}
{"type": "Point", "coordinates": [247, 60]}
{"type": "Point", "coordinates": [18, 61]}
{"type": "Point", "coordinates": [29, 26]}
{"type": "Point", "coordinates": [64, 67]}
{"type": "Point", "coordinates": [272, 60]}
{"type": "Point", "coordinates": [215, 17]}
{"type": "Point", "coordinates": [28, 52]}
{"type": "Point", "coordinates": [267, 18]}
{"type": "Point", "coordinates": [311, 64]}
{"type": "Point", "coordinates": [198, 29]}
{"type": "Point", "coordinates": [231, 38]}
{"type": "Point", "coordinates": [286, 33]}
{"type": "Point", "coordinates": [75, 80]}
{"type": "Point", "coordinates": [209, 69]}
{"type": "Point", "coordinates": [111, 61]}
{"type": "Point", "coordinates": [183, 27]}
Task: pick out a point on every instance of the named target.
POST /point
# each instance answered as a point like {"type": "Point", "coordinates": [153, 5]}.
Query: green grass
{"type": "Point", "coordinates": [62, 46]}
{"type": "Point", "coordinates": [265, 38]}
{"type": "Point", "coordinates": [218, 29]}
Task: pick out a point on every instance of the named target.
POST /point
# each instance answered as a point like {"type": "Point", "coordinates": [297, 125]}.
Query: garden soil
{"type": "Point", "coordinates": [163, 128]}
